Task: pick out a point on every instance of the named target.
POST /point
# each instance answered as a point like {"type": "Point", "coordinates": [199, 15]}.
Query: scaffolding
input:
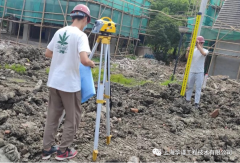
{"type": "Point", "coordinates": [222, 34]}
{"type": "Point", "coordinates": [45, 17]}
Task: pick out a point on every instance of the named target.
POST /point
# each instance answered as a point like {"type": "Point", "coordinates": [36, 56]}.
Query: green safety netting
{"type": "Point", "coordinates": [208, 21]}
{"type": "Point", "coordinates": [216, 2]}
{"type": "Point", "coordinates": [132, 24]}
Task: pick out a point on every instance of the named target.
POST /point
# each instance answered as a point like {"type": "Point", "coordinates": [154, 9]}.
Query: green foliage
{"type": "Point", "coordinates": [171, 80]}
{"type": "Point", "coordinates": [96, 59]}
{"type": "Point", "coordinates": [95, 72]}
{"type": "Point", "coordinates": [114, 67]}
{"type": "Point", "coordinates": [117, 78]}
{"type": "Point", "coordinates": [47, 70]}
{"type": "Point", "coordinates": [165, 36]}
{"type": "Point", "coordinates": [164, 30]}
{"type": "Point", "coordinates": [171, 7]}
{"type": "Point", "coordinates": [17, 68]}
{"type": "Point", "coordinates": [133, 57]}
{"type": "Point", "coordinates": [131, 48]}
{"type": "Point", "coordinates": [144, 82]}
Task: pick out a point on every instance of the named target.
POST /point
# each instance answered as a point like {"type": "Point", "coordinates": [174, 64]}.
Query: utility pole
{"type": "Point", "coordinates": [202, 10]}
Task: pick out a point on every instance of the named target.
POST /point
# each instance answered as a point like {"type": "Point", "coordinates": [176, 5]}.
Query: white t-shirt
{"type": "Point", "coordinates": [198, 60]}
{"type": "Point", "coordinates": [66, 45]}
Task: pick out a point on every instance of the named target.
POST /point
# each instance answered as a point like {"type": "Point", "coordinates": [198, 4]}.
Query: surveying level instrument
{"type": "Point", "coordinates": [190, 55]}
{"type": "Point", "coordinates": [104, 28]}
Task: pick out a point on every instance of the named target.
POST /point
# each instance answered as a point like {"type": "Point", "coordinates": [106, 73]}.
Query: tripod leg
{"type": "Point", "coordinates": [107, 96]}
{"type": "Point", "coordinates": [93, 50]}
{"type": "Point", "coordinates": [105, 63]}
{"type": "Point", "coordinates": [99, 105]}
{"type": "Point", "coordinates": [100, 101]}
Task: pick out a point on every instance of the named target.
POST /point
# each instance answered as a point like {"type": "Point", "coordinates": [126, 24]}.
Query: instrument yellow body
{"type": "Point", "coordinates": [108, 26]}
{"type": "Point", "coordinates": [190, 55]}
{"type": "Point", "coordinates": [104, 26]}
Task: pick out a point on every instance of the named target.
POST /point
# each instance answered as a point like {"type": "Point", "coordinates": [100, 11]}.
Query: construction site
{"type": "Point", "coordinates": [147, 110]}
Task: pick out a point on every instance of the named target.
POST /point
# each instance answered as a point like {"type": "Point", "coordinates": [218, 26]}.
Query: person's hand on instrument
{"type": "Point", "coordinates": [92, 64]}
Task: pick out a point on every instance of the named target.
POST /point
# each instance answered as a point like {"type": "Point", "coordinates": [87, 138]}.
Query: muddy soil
{"type": "Point", "coordinates": [164, 120]}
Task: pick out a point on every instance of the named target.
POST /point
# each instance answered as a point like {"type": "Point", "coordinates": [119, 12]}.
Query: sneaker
{"type": "Point", "coordinates": [196, 106]}
{"type": "Point", "coordinates": [69, 153]}
{"type": "Point", "coordinates": [47, 154]}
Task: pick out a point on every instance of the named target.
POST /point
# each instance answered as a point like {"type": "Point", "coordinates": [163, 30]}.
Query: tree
{"type": "Point", "coordinates": [165, 35]}
{"type": "Point", "coordinates": [174, 6]}
{"type": "Point", "coordinates": [164, 32]}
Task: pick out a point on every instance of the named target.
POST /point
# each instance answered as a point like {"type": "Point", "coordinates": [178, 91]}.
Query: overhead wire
{"type": "Point", "coordinates": [232, 28]}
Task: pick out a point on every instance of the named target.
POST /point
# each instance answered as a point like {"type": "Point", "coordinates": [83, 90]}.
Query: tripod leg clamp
{"type": "Point", "coordinates": [95, 153]}
{"type": "Point", "coordinates": [106, 96]}
{"type": "Point", "coordinates": [109, 139]}
{"type": "Point", "coordinates": [101, 101]}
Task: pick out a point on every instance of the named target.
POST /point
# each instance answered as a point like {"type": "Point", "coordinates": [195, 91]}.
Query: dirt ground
{"type": "Point", "coordinates": [164, 120]}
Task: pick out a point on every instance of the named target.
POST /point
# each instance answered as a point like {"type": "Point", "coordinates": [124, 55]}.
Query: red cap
{"type": "Point", "coordinates": [200, 39]}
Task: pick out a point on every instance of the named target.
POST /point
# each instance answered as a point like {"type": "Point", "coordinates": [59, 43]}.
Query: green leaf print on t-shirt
{"type": "Point", "coordinates": [63, 43]}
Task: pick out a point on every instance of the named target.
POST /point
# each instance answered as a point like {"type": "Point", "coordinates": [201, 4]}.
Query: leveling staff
{"type": "Point", "coordinates": [196, 74]}
{"type": "Point", "coordinates": [68, 47]}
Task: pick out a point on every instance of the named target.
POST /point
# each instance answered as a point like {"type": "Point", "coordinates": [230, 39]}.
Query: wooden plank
{"type": "Point", "coordinates": [3, 16]}
{"type": "Point", "coordinates": [238, 72]}
{"type": "Point", "coordinates": [214, 54]}
{"type": "Point", "coordinates": [40, 36]}
{"type": "Point", "coordinates": [21, 19]}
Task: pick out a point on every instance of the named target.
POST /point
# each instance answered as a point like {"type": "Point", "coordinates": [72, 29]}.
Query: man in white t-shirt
{"type": "Point", "coordinates": [196, 75]}
{"type": "Point", "coordinates": [68, 47]}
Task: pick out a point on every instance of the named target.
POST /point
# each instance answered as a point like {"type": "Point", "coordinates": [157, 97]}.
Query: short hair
{"type": "Point", "coordinates": [77, 17]}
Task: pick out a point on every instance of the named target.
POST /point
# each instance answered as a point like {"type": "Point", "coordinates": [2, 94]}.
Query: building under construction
{"type": "Point", "coordinates": [222, 33]}
{"type": "Point", "coordinates": [35, 22]}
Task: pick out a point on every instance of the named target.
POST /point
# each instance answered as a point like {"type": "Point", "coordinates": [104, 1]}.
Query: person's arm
{"type": "Point", "coordinates": [84, 50]}
{"type": "Point", "coordinates": [201, 50]}
{"type": "Point", "coordinates": [204, 53]}
{"type": "Point", "coordinates": [85, 60]}
{"type": "Point", "coordinates": [50, 47]}
{"type": "Point", "coordinates": [48, 53]}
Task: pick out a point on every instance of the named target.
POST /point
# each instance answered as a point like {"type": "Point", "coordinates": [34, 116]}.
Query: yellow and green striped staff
{"type": "Point", "coordinates": [190, 55]}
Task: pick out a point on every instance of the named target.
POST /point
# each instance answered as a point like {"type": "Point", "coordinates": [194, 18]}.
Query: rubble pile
{"type": "Point", "coordinates": [146, 69]}
{"type": "Point", "coordinates": [142, 117]}
{"type": "Point", "coordinates": [222, 83]}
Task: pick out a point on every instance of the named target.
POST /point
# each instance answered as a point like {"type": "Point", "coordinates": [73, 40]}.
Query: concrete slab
{"type": "Point", "coordinates": [3, 158]}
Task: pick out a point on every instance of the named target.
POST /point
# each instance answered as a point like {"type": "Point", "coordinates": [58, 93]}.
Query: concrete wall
{"type": "Point", "coordinates": [113, 43]}
{"type": "Point", "coordinates": [142, 50]}
{"type": "Point", "coordinates": [228, 46]}
{"type": "Point", "coordinates": [12, 28]}
{"type": "Point", "coordinates": [225, 66]}
{"type": "Point", "coordinates": [26, 31]}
